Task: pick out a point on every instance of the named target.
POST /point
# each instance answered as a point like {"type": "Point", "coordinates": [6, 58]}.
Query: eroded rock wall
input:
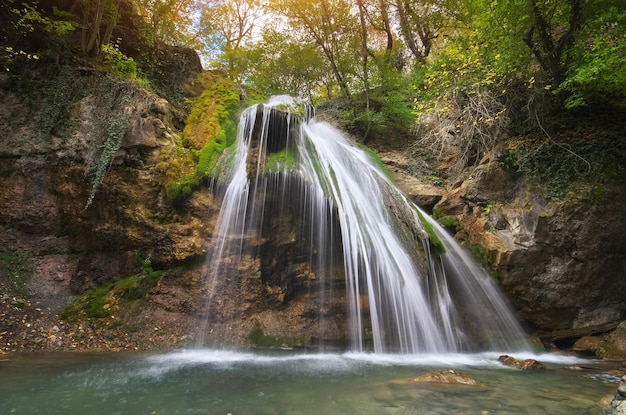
{"type": "Point", "coordinates": [562, 261]}
{"type": "Point", "coordinates": [47, 181]}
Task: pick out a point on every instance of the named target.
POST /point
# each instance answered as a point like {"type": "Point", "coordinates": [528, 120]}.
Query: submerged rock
{"type": "Point", "coordinates": [618, 404]}
{"type": "Point", "coordinates": [527, 364]}
{"type": "Point", "coordinates": [445, 377]}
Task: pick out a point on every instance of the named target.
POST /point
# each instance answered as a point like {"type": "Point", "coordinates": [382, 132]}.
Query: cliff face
{"type": "Point", "coordinates": [83, 203]}
{"type": "Point", "coordinates": [559, 260]}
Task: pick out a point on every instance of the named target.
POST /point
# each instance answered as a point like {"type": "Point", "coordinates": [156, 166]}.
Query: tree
{"type": "Point", "coordinates": [167, 20]}
{"type": "Point", "coordinates": [554, 26]}
{"type": "Point", "coordinates": [420, 23]}
{"type": "Point", "coordinates": [596, 75]}
{"type": "Point", "coordinates": [280, 64]}
{"type": "Point", "coordinates": [226, 26]}
{"type": "Point", "coordinates": [98, 19]}
{"type": "Point", "coordinates": [330, 25]}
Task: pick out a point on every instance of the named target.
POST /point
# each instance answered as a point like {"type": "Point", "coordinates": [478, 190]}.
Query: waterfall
{"type": "Point", "coordinates": [406, 285]}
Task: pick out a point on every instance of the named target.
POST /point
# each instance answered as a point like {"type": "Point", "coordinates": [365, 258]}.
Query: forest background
{"type": "Point", "coordinates": [474, 70]}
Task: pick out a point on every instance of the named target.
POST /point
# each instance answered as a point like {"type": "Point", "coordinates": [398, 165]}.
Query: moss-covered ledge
{"type": "Point", "coordinates": [210, 128]}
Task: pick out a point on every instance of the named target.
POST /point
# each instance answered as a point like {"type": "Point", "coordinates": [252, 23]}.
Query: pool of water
{"type": "Point", "coordinates": [220, 382]}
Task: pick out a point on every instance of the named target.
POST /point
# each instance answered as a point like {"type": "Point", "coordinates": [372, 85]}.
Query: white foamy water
{"type": "Point", "coordinates": [348, 360]}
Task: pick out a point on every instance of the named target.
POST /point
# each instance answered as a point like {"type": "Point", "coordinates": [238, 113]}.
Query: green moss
{"type": "Point", "coordinates": [210, 128]}
{"type": "Point", "coordinates": [295, 109]}
{"type": "Point", "coordinates": [378, 162]}
{"type": "Point", "coordinates": [105, 302]}
{"type": "Point", "coordinates": [435, 242]}
{"type": "Point", "coordinates": [446, 221]}
{"type": "Point", "coordinates": [280, 161]}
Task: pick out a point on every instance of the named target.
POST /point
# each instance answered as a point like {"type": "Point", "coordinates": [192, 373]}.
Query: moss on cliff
{"type": "Point", "coordinates": [209, 130]}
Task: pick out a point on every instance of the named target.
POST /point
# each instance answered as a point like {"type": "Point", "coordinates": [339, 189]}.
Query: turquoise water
{"type": "Point", "coordinates": [226, 382]}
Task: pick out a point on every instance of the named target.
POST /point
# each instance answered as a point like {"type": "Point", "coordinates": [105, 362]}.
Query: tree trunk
{"type": "Point", "coordinates": [553, 54]}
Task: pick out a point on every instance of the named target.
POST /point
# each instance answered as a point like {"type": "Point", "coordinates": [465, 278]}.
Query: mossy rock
{"type": "Point", "coordinates": [209, 130]}
{"type": "Point", "coordinates": [106, 302]}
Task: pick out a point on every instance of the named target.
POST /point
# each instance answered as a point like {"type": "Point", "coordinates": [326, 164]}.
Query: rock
{"type": "Point", "coordinates": [618, 337]}
{"type": "Point", "coordinates": [614, 346]}
{"type": "Point", "coordinates": [555, 259]}
{"type": "Point", "coordinates": [618, 404]}
{"type": "Point", "coordinates": [587, 345]}
{"type": "Point", "coordinates": [445, 377]}
{"type": "Point", "coordinates": [528, 364]}
{"type": "Point", "coordinates": [423, 194]}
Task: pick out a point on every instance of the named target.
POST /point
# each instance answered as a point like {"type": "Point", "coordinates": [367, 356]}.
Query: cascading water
{"type": "Point", "coordinates": [407, 286]}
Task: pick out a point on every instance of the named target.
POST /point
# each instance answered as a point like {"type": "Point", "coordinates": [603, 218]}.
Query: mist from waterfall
{"type": "Point", "coordinates": [402, 292]}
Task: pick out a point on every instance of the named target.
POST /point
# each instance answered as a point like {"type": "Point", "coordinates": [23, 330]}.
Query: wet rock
{"type": "Point", "coordinates": [451, 377]}
{"type": "Point", "coordinates": [614, 344]}
{"type": "Point", "coordinates": [423, 194]}
{"type": "Point", "coordinates": [587, 345]}
{"type": "Point", "coordinates": [618, 404]}
{"type": "Point", "coordinates": [527, 364]}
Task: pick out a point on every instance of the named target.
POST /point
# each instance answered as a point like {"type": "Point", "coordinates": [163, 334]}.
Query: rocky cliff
{"type": "Point", "coordinates": [84, 206]}
{"type": "Point", "coordinates": [559, 259]}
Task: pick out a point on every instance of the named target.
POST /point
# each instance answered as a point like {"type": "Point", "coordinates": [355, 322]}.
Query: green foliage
{"type": "Point", "coordinates": [460, 98]}
{"type": "Point", "coordinates": [555, 164]}
{"type": "Point", "coordinates": [105, 302]}
{"type": "Point", "coordinates": [598, 76]}
{"type": "Point", "coordinates": [18, 268]}
{"type": "Point", "coordinates": [144, 260]}
{"type": "Point", "coordinates": [119, 63]}
{"type": "Point", "coordinates": [510, 160]}
{"type": "Point", "coordinates": [280, 65]}
{"type": "Point", "coordinates": [29, 17]}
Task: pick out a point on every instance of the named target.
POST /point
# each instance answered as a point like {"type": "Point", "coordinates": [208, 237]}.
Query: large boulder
{"type": "Point", "coordinates": [618, 404]}
{"type": "Point", "coordinates": [614, 345]}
